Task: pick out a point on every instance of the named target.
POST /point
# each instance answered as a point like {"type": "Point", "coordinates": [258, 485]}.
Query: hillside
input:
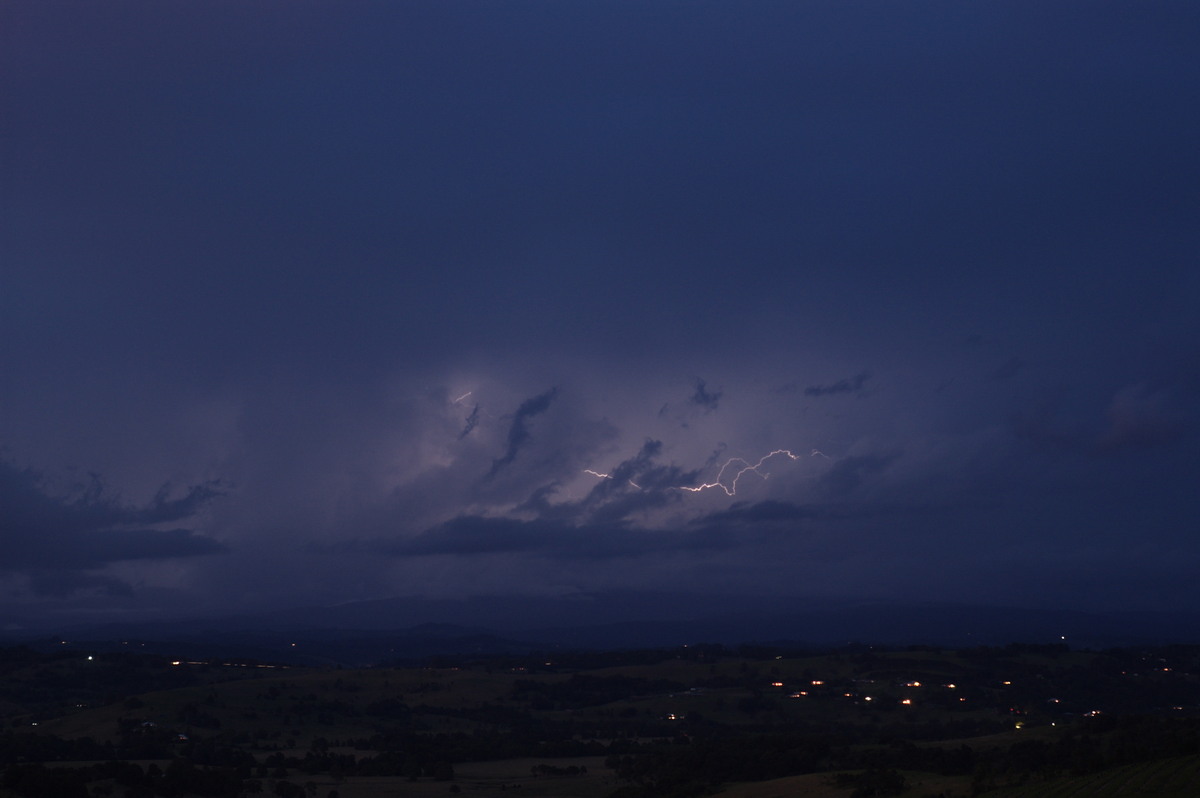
{"type": "Point", "coordinates": [754, 721]}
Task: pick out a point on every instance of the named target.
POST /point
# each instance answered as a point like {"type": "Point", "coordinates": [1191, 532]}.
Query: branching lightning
{"type": "Point", "coordinates": [728, 485]}
{"type": "Point", "coordinates": [731, 488]}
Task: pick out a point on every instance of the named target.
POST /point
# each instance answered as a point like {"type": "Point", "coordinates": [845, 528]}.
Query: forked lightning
{"type": "Point", "coordinates": [729, 487]}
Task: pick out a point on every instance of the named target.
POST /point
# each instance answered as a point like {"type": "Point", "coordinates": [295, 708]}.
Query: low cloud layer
{"type": "Point", "coordinates": [60, 540]}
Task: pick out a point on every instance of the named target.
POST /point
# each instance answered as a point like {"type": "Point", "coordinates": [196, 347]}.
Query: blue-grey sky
{"type": "Point", "coordinates": [304, 303]}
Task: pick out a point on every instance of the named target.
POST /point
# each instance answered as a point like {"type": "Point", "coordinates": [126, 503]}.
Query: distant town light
{"type": "Point", "coordinates": [906, 701]}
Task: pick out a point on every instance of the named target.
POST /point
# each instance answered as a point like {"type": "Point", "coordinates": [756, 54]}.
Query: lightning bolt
{"type": "Point", "coordinates": [729, 486]}
{"type": "Point", "coordinates": [608, 476]}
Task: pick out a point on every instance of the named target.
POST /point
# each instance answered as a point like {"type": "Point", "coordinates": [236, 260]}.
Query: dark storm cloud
{"type": "Point", "coordinates": [518, 433]}
{"type": "Point", "coordinates": [1135, 419]}
{"type": "Point", "coordinates": [642, 472]}
{"type": "Point", "coordinates": [850, 473]}
{"type": "Point", "coordinates": [634, 485]}
{"type": "Point", "coordinates": [605, 523]}
{"type": "Point", "coordinates": [705, 398]}
{"type": "Point", "coordinates": [853, 384]}
{"type": "Point", "coordinates": [474, 535]}
{"type": "Point", "coordinates": [771, 511]}
{"type": "Point", "coordinates": [701, 399]}
{"type": "Point", "coordinates": [471, 422]}
{"type": "Point", "coordinates": [89, 529]}
{"type": "Point", "coordinates": [269, 243]}
{"type": "Point", "coordinates": [607, 534]}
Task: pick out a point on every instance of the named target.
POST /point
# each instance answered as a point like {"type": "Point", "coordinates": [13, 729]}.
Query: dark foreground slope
{"type": "Point", "coordinates": [688, 721]}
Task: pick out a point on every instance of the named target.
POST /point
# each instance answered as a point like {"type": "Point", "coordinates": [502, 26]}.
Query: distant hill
{"type": "Point", "coordinates": [408, 628]}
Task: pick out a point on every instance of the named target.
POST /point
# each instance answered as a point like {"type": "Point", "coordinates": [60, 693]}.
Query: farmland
{"type": "Point", "coordinates": [749, 722]}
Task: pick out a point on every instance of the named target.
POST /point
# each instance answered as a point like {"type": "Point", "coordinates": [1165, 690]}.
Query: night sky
{"type": "Point", "coordinates": [312, 302]}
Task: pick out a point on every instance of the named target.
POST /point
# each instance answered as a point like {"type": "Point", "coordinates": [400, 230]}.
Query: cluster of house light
{"type": "Point", "coordinates": [904, 701]}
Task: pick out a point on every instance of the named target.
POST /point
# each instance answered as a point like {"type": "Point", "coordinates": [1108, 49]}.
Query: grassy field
{"type": "Point", "coordinates": [820, 785]}
{"type": "Point", "coordinates": [509, 777]}
{"type": "Point", "coordinates": [1166, 778]}
{"type": "Point", "coordinates": [298, 705]}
